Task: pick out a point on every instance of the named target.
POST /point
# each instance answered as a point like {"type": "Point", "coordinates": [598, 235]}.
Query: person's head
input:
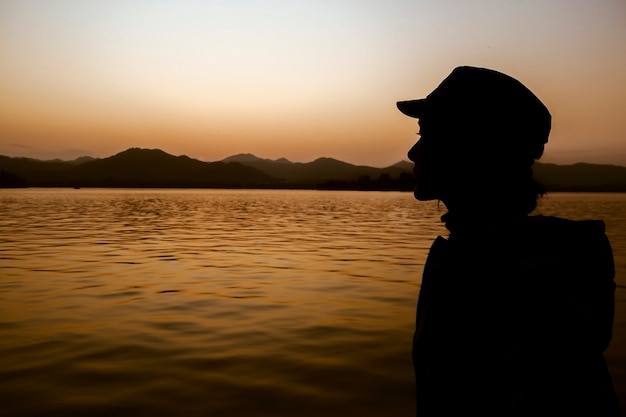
{"type": "Point", "coordinates": [480, 132]}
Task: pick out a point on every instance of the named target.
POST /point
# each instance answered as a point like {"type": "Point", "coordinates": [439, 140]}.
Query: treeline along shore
{"type": "Point", "coordinates": [154, 168]}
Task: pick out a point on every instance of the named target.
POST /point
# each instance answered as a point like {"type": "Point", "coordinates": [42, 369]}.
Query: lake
{"type": "Point", "coordinates": [119, 302]}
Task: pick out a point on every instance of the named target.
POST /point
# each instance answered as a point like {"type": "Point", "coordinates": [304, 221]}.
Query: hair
{"type": "Point", "coordinates": [517, 188]}
{"type": "Point", "coordinates": [529, 194]}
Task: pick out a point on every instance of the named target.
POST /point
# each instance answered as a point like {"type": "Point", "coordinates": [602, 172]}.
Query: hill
{"type": "Point", "coordinates": [331, 173]}
{"type": "Point", "coordinates": [135, 168]}
{"type": "Point", "coordinates": [317, 171]}
{"type": "Point", "coordinates": [155, 168]}
{"type": "Point", "coordinates": [581, 177]}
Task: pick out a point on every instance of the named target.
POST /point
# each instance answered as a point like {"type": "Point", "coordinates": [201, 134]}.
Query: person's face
{"type": "Point", "coordinates": [428, 154]}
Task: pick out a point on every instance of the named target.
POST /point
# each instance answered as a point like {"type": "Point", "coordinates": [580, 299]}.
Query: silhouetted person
{"type": "Point", "coordinates": [514, 311]}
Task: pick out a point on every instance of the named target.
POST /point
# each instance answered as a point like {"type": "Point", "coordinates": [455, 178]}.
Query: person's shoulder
{"type": "Point", "coordinates": [562, 225]}
{"type": "Point", "coordinates": [566, 234]}
{"type": "Point", "coordinates": [550, 231]}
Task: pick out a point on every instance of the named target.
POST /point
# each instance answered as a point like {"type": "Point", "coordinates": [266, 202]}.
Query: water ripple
{"type": "Point", "coordinates": [216, 302]}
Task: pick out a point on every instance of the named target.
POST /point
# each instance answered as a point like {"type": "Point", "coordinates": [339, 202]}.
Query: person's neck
{"type": "Point", "coordinates": [459, 220]}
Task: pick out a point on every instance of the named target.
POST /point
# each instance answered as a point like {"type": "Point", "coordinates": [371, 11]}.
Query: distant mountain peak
{"type": "Point", "coordinates": [404, 165]}
{"type": "Point", "coordinates": [83, 159]}
{"type": "Point", "coordinates": [77, 161]}
{"type": "Point", "coordinates": [326, 158]}
{"type": "Point", "coordinates": [134, 151]}
{"type": "Point", "coordinates": [330, 161]}
{"type": "Point", "coordinates": [242, 158]}
{"type": "Point", "coordinates": [248, 158]}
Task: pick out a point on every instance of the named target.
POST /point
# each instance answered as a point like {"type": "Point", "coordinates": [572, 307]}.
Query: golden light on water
{"type": "Point", "coordinates": [162, 298]}
{"type": "Point", "coordinates": [196, 302]}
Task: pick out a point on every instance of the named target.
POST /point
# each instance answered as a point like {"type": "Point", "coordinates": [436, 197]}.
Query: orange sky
{"type": "Point", "coordinates": [295, 79]}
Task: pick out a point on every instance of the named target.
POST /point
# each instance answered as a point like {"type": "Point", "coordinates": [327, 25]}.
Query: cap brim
{"type": "Point", "coordinates": [412, 108]}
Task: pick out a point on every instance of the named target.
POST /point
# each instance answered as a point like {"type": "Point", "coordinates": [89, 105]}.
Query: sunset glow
{"type": "Point", "coordinates": [298, 79]}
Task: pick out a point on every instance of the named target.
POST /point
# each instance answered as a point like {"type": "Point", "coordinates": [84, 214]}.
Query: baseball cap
{"type": "Point", "coordinates": [490, 100]}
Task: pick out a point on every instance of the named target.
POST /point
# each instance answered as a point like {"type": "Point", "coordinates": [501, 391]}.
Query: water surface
{"type": "Point", "coordinates": [224, 302]}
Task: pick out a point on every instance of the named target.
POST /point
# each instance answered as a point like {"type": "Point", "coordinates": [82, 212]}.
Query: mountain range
{"type": "Point", "coordinates": [137, 167]}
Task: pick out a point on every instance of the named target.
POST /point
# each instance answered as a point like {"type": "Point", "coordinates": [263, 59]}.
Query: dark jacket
{"type": "Point", "coordinates": [513, 319]}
